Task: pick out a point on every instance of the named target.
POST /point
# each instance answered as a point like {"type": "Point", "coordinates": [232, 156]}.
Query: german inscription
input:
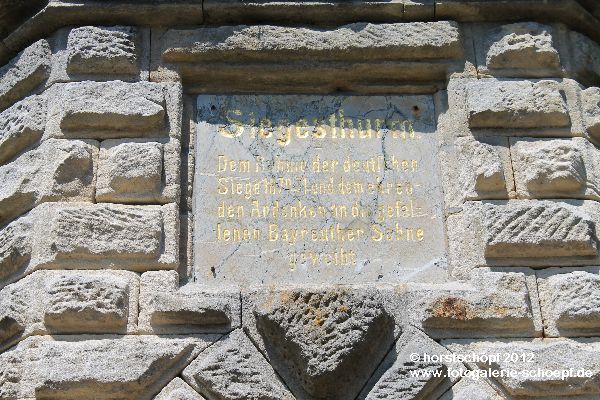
{"type": "Point", "coordinates": [315, 189]}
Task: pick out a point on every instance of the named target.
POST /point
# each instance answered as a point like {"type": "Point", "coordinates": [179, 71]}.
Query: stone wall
{"type": "Point", "coordinates": [100, 294]}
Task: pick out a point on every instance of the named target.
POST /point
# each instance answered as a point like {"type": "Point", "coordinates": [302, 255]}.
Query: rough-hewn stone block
{"type": "Point", "coordinates": [234, 369]}
{"type": "Point", "coordinates": [177, 389]}
{"type": "Point", "coordinates": [585, 58]}
{"type": "Point", "coordinates": [516, 104]}
{"type": "Point", "coordinates": [591, 111]}
{"type": "Point", "coordinates": [538, 230]}
{"type": "Point", "coordinates": [130, 172]}
{"type": "Point", "coordinates": [57, 367]}
{"type": "Point", "coordinates": [524, 49]}
{"type": "Point", "coordinates": [326, 342]}
{"type": "Point", "coordinates": [570, 301]}
{"type": "Point", "coordinates": [102, 50]}
{"type": "Point", "coordinates": [472, 389]}
{"type": "Point", "coordinates": [102, 110]}
{"type": "Point", "coordinates": [21, 125]}
{"type": "Point", "coordinates": [351, 42]}
{"type": "Point", "coordinates": [57, 170]}
{"type": "Point", "coordinates": [69, 302]}
{"type": "Point", "coordinates": [527, 233]}
{"type": "Point", "coordinates": [555, 168]}
{"type": "Point", "coordinates": [90, 236]}
{"type": "Point", "coordinates": [545, 355]}
{"type": "Point", "coordinates": [25, 72]}
{"type": "Point", "coordinates": [490, 304]}
{"type": "Point", "coordinates": [398, 375]}
{"type": "Point", "coordinates": [165, 307]}
{"type": "Point", "coordinates": [91, 301]}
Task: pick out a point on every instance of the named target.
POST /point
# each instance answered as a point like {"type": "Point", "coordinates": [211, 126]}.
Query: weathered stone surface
{"type": "Point", "coordinates": [527, 233]}
{"type": "Point", "coordinates": [57, 170]}
{"type": "Point", "coordinates": [69, 302]}
{"type": "Point", "coordinates": [325, 342]}
{"type": "Point", "coordinates": [102, 110]}
{"type": "Point", "coordinates": [524, 45]}
{"type": "Point", "coordinates": [234, 369]}
{"type": "Point", "coordinates": [177, 389]}
{"type": "Point", "coordinates": [21, 125]}
{"type": "Point", "coordinates": [472, 389]}
{"type": "Point", "coordinates": [490, 304]}
{"type": "Point", "coordinates": [94, 301]}
{"type": "Point", "coordinates": [351, 42]}
{"type": "Point", "coordinates": [591, 111]}
{"type": "Point", "coordinates": [538, 230]}
{"type": "Point", "coordinates": [585, 58]}
{"type": "Point", "coordinates": [546, 355]}
{"type": "Point", "coordinates": [481, 169]}
{"type": "Point", "coordinates": [555, 168]}
{"type": "Point", "coordinates": [516, 104]}
{"type": "Point", "coordinates": [165, 307]}
{"type": "Point", "coordinates": [130, 172]}
{"type": "Point", "coordinates": [25, 72]}
{"type": "Point", "coordinates": [97, 369]}
{"type": "Point", "coordinates": [102, 50]}
{"type": "Point", "coordinates": [570, 301]}
{"type": "Point", "coordinates": [91, 236]}
{"type": "Point", "coordinates": [395, 378]}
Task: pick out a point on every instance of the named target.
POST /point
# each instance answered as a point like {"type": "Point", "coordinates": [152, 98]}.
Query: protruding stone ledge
{"type": "Point", "coordinates": [165, 307]}
{"type": "Point", "coordinates": [491, 304]}
{"type": "Point", "coordinates": [92, 368]}
{"type": "Point", "coordinates": [90, 236]}
{"type": "Point", "coordinates": [252, 56]}
{"type": "Point", "coordinates": [516, 104]}
{"type": "Point", "coordinates": [545, 355]}
{"type": "Point", "coordinates": [24, 73]}
{"type": "Point", "coordinates": [570, 301]}
{"type": "Point", "coordinates": [21, 125]}
{"type": "Point", "coordinates": [103, 110]}
{"type": "Point", "coordinates": [57, 170]}
{"type": "Point", "coordinates": [524, 233]}
{"type": "Point", "coordinates": [60, 302]}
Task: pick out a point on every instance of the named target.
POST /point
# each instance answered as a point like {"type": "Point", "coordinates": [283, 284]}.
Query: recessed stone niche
{"type": "Point", "coordinates": [316, 189]}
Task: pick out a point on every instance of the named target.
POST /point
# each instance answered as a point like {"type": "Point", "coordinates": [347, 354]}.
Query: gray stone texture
{"type": "Point", "coordinates": [233, 369]}
{"type": "Point", "coordinates": [105, 110]}
{"type": "Point", "coordinates": [71, 302]}
{"type": "Point", "coordinates": [584, 62]}
{"type": "Point", "coordinates": [165, 307]}
{"type": "Point", "coordinates": [516, 104]}
{"type": "Point", "coordinates": [356, 41]}
{"type": "Point", "coordinates": [325, 343]}
{"type": "Point", "coordinates": [24, 73]}
{"type": "Point", "coordinates": [130, 172]}
{"type": "Point", "coordinates": [21, 125]}
{"type": "Point", "coordinates": [524, 233]}
{"type": "Point", "coordinates": [570, 301]}
{"type": "Point", "coordinates": [395, 377]}
{"type": "Point", "coordinates": [555, 168]}
{"type": "Point", "coordinates": [547, 355]}
{"type": "Point", "coordinates": [102, 50]}
{"type": "Point", "coordinates": [472, 389]}
{"type": "Point", "coordinates": [490, 304]}
{"type": "Point", "coordinates": [95, 369]}
{"type": "Point", "coordinates": [177, 389]}
{"type": "Point", "coordinates": [91, 236]}
{"type": "Point", "coordinates": [591, 111]}
{"type": "Point", "coordinates": [57, 170]}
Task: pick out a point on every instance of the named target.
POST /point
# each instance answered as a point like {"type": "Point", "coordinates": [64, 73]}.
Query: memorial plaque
{"type": "Point", "coordinates": [316, 189]}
